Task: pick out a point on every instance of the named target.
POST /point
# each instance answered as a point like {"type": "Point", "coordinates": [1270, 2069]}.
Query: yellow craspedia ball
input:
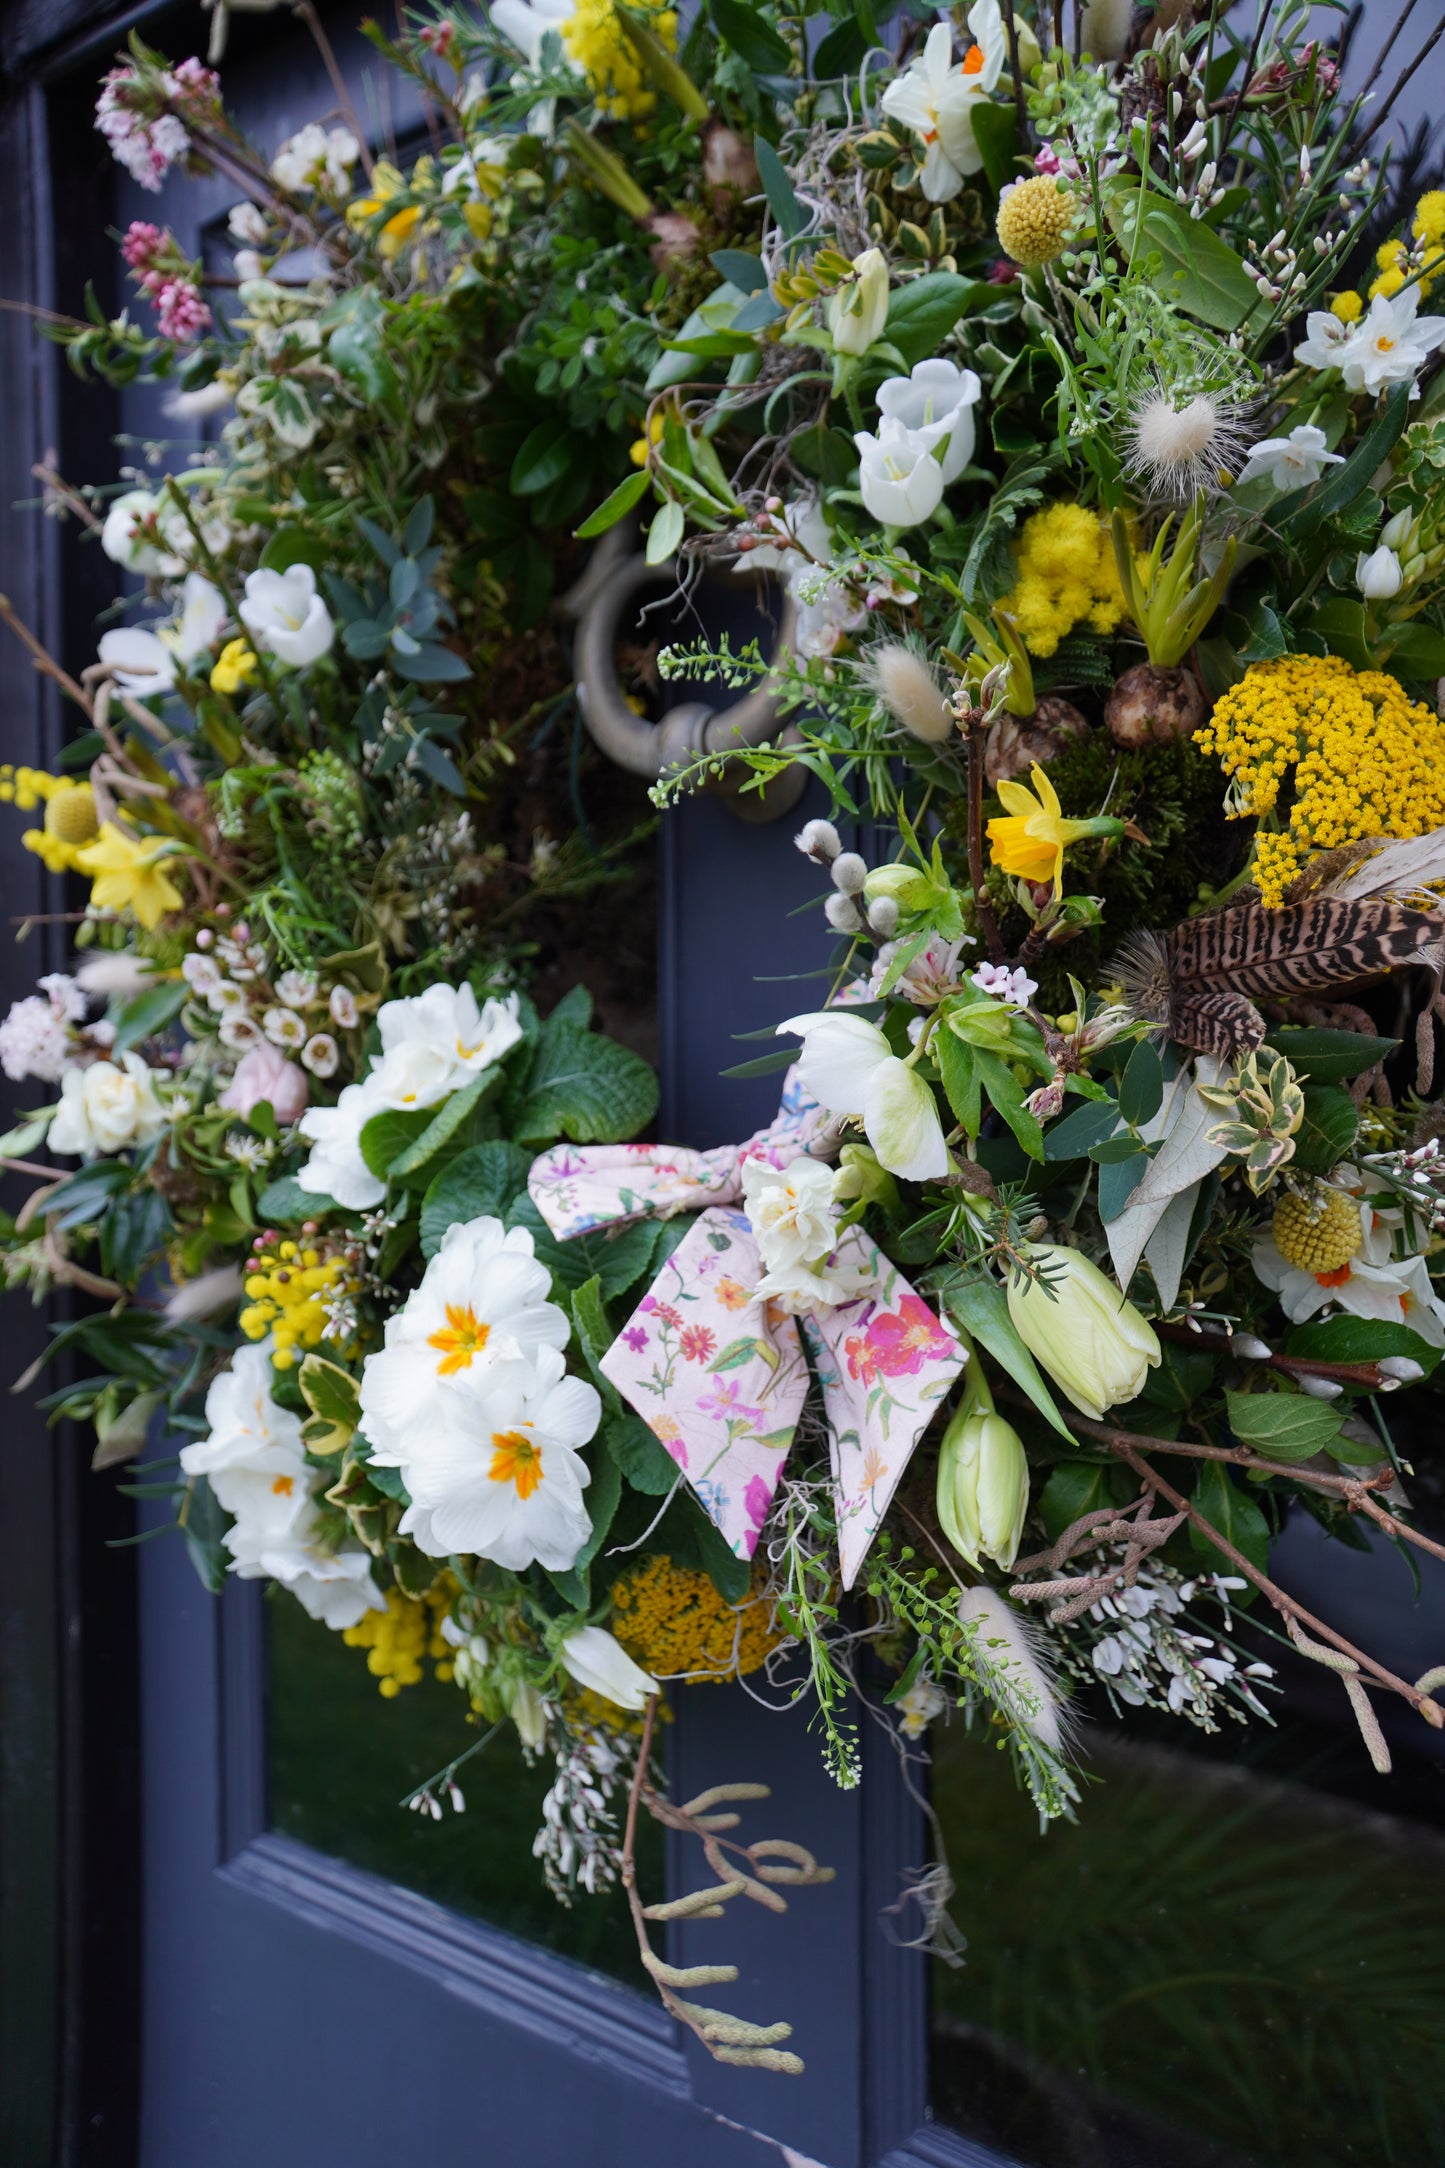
{"type": "Point", "coordinates": [70, 815]}
{"type": "Point", "coordinates": [1318, 1234]}
{"type": "Point", "coordinates": [1034, 219]}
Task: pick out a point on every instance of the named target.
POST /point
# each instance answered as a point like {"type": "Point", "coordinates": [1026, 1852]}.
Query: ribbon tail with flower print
{"type": "Point", "coordinates": [720, 1376]}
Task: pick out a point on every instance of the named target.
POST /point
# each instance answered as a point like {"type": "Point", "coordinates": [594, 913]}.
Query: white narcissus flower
{"type": "Point", "coordinates": [1292, 462]}
{"type": "Point", "coordinates": [107, 1108]}
{"type": "Point", "coordinates": [1391, 344]}
{"type": "Point", "coordinates": [936, 99]}
{"type": "Point", "coordinates": [858, 311]}
{"type": "Point", "coordinates": [200, 623]}
{"type": "Point", "coordinates": [598, 1661]}
{"type": "Point", "coordinates": [1092, 1341]}
{"type": "Point", "coordinates": [503, 1477]}
{"type": "Point", "coordinates": [140, 662]}
{"type": "Point", "coordinates": [1374, 1283]}
{"type": "Point", "coordinates": [916, 1709]}
{"type": "Point", "coordinates": [848, 1067]}
{"type": "Point", "coordinates": [940, 396]}
{"type": "Point", "coordinates": [526, 22]}
{"type": "Point", "coordinates": [791, 1210]}
{"type": "Point", "coordinates": [900, 479]}
{"type": "Point", "coordinates": [1378, 574]}
{"type": "Point", "coordinates": [1325, 341]}
{"type": "Point", "coordinates": [482, 1300]}
{"type": "Point", "coordinates": [284, 614]}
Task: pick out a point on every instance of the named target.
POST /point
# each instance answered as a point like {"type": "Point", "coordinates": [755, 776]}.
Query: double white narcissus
{"type": "Point", "coordinates": [849, 1068]}
{"type": "Point", "coordinates": [1092, 1341]}
{"type": "Point", "coordinates": [482, 1300]}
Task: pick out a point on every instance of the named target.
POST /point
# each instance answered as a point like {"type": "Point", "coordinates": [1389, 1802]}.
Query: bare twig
{"type": "Point", "coordinates": [43, 660]}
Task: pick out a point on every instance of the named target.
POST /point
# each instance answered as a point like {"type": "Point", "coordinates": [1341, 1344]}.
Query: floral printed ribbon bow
{"type": "Point", "coordinates": [713, 1360]}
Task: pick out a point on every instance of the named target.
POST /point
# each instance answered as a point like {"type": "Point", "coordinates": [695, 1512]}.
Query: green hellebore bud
{"type": "Point", "coordinates": [909, 889]}
{"type": "Point", "coordinates": [859, 1176]}
{"type": "Point", "coordinates": [1093, 1343]}
{"type": "Point", "coordinates": [982, 1023]}
{"type": "Point", "coordinates": [983, 1487]}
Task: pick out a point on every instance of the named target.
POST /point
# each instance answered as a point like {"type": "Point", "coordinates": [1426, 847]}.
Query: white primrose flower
{"type": "Point", "coordinates": [336, 1167]}
{"type": "Point", "coordinates": [482, 1300]}
{"type": "Point", "coordinates": [1378, 574]}
{"type": "Point", "coordinates": [107, 1108]}
{"type": "Point", "coordinates": [315, 157]}
{"type": "Point", "coordinates": [1389, 345]}
{"type": "Point", "coordinates": [900, 479]}
{"type": "Point", "coordinates": [599, 1662]}
{"type": "Point", "coordinates": [284, 614]}
{"type": "Point", "coordinates": [503, 1476]}
{"type": "Point", "coordinates": [140, 662]}
{"type": "Point", "coordinates": [1292, 462]}
{"type": "Point", "coordinates": [936, 99]}
{"type": "Point", "coordinates": [848, 1067]}
{"type": "Point", "coordinates": [936, 395]}
{"type": "Point", "coordinates": [248, 1431]}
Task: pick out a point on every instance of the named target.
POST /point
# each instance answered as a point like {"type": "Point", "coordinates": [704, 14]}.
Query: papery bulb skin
{"type": "Point", "coordinates": [676, 240]}
{"type": "Point", "coordinates": [728, 167]}
{"type": "Point", "coordinates": [1150, 706]}
{"type": "Point", "coordinates": [1015, 742]}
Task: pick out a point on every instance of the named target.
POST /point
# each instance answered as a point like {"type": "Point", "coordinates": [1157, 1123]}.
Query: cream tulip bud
{"type": "Point", "coordinates": [1378, 575]}
{"type": "Point", "coordinates": [1092, 1342]}
{"type": "Point", "coordinates": [858, 311]}
{"type": "Point", "coordinates": [983, 1487]}
{"type": "Point", "coordinates": [597, 1661]}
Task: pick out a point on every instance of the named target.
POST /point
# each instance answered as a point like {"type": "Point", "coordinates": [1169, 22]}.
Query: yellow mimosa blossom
{"type": "Point", "coordinates": [128, 874]}
{"type": "Point", "coordinates": [401, 1638]}
{"type": "Point", "coordinates": [1029, 839]}
{"type": "Point", "coordinates": [1348, 307]}
{"type": "Point", "coordinates": [1365, 760]}
{"type": "Point", "coordinates": [638, 452]}
{"type": "Point", "coordinates": [1067, 575]}
{"type": "Point", "coordinates": [595, 39]}
{"type": "Point", "coordinates": [1429, 222]}
{"type": "Point", "coordinates": [236, 666]}
{"type": "Point", "coordinates": [287, 1292]}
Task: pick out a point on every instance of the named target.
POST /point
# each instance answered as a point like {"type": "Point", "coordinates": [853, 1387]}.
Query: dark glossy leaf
{"type": "Point", "coordinates": [1141, 1088]}
{"type": "Point", "coordinates": [751, 38]}
{"type": "Point", "coordinates": [1330, 1126]}
{"type": "Point", "coordinates": [1360, 1340]}
{"type": "Point", "coordinates": [148, 1013]}
{"type": "Point", "coordinates": [981, 1308]}
{"type": "Point", "coordinates": [543, 457]}
{"type": "Point", "coordinates": [1228, 1506]}
{"type": "Point", "coordinates": [1077, 1133]}
{"type": "Point", "coordinates": [1329, 1057]}
{"type": "Point", "coordinates": [484, 1181]}
{"type": "Point", "coordinates": [1283, 1426]}
{"type": "Point", "coordinates": [921, 315]}
{"type": "Point", "coordinates": [996, 132]}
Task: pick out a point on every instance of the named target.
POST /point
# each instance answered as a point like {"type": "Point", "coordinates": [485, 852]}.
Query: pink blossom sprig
{"type": "Point", "coordinates": [163, 272]}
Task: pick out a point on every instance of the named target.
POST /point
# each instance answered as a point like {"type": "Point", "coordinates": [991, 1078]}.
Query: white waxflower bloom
{"type": "Point", "coordinates": [223, 996]}
{"type": "Point", "coordinates": [599, 1662]}
{"type": "Point", "coordinates": [936, 99]}
{"type": "Point", "coordinates": [315, 157]}
{"type": "Point", "coordinates": [1092, 1342]}
{"type": "Point", "coordinates": [247, 223]}
{"type": "Point", "coordinates": [1292, 462]}
{"type": "Point", "coordinates": [321, 1055]}
{"type": "Point", "coordinates": [503, 1476]}
{"type": "Point", "coordinates": [296, 989]}
{"type": "Point", "coordinates": [1390, 344]}
{"type": "Point", "coordinates": [239, 1033]}
{"type": "Point", "coordinates": [848, 1067]}
{"type": "Point", "coordinates": [936, 395]}
{"type": "Point", "coordinates": [107, 1108]}
{"type": "Point", "coordinates": [342, 1003]}
{"type": "Point", "coordinates": [139, 662]}
{"type": "Point", "coordinates": [283, 1027]}
{"type": "Point", "coordinates": [483, 1299]}
{"type": "Point", "coordinates": [1378, 574]}
{"type": "Point", "coordinates": [900, 479]}
{"type": "Point", "coordinates": [284, 615]}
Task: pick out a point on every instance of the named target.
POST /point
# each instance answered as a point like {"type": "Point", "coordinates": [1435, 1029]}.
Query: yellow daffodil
{"type": "Point", "coordinates": [387, 181]}
{"type": "Point", "coordinates": [1029, 838]}
{"type": "Point", "coordinates": [128, 874]}
{"type": "Point", "coordinates": [235, 667]}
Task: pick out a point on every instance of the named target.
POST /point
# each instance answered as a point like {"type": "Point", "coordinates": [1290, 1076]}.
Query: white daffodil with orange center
{"type": "Point", "coordinates": [1343, 1256]}
{"type": "Point", "coordinates": [499, 1474]}
{"type": "Point", "coordinates": [482, 1300]}
{"type": "Point", "coordinates": [936, 99]}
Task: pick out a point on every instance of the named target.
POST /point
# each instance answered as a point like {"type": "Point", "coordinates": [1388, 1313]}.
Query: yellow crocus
{"type": "Point", "coordinates": [128, 874]}
{"type": "Point", "coordinates": [1029, 838]}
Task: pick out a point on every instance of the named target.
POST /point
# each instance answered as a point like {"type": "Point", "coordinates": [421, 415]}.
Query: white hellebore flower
{"type": "Point", "coordinates": [898, 475]}
{"type": "Point", "coordinates": [858, 311]}
{"type": "Point", "coordinates": [284, 614]}
{"type": "Point", "coordinates": [121, 537]}
{"type": "Point", "coordinates": [141, 663]}
{"type": "Point", "coordinates": [527, 22]}
{"type": "Point", "coordinates": [1093, 1343]}
{"type": "Point", "coordinates": [936, 99]}
{"type": "Point", "coordinates": [503, 1477]}
{"type": "Point", "coordinates": [482, 1300]}
{"type": "Point", "coordinates": [1378, 575]}
{"type": "Point", "coordinates": [848, 1067]}
{"type": "Point", "coordinates": [1391, 344]}
{"type": "Point", "coordinates": [600, 1663]}
{"type": "Point", "coordinates": [105, 1108]}
{"type": "Point", "coordinates": [938, 395]}
{"type": "Point", "coordinates": [1292, 462]}
{"type": "Point", "coordinates": [315, 157]}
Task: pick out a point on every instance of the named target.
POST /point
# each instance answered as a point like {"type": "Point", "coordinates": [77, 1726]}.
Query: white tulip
{"type": "Point", "coordinates": [1378, 575]}
{"type": "Point", "coordinates": [599, 1662]}
{"type": "Point", "coordinates": [858, 311]}
{"type": "Point", "coordinates": [940, 396]}
{"type": "Point", "coordinates": [899, 477]}
{"type": "Point", "coordinates": [284, 614]}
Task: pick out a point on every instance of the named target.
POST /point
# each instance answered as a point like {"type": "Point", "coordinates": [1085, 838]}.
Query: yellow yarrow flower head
{"type": "Point", "coordinates": [1067, 575]}
{"type": "Point", "coordinates": [1360, 759]}
{"type": "Point", "coordinates": [595, 39]}
{"type": "Point", "coordinates": [672, 1621]}
{"type": "Point", "coordinates": [235, 666]}
{"type": "Point", "coordinates": [128, 874]}
{"type": "Point", "coordinates": [1029, 839]}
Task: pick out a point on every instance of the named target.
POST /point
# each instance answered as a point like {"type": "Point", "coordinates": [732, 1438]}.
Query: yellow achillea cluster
{"type": "Point", "coordinates": [400, 1640]}
{"type": "Point", "coordinates": [285, 1289]}
{"type": "Point", "coordinates": [71, 820]}
{"type": "Point", "coordinates": [672, 1621]}
{"type": "Point", "coordinates": [1366, 760]}
{"type": "Point", "coordinates": [1067, 575]}
{"type": "Point", "coordinates": [594, 37]}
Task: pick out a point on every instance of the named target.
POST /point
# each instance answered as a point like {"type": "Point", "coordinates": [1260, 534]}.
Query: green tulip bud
{"type": "Point", "coordinates": [1094, 1344]}
{"type": "Point", "coordinates": [983, 1486]}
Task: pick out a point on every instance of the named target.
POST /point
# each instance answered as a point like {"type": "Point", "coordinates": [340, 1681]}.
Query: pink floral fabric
{"type": "Point", "coordinates": [720, 1378]}
{"type": "Point", "coordinates": [603, 1185]}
